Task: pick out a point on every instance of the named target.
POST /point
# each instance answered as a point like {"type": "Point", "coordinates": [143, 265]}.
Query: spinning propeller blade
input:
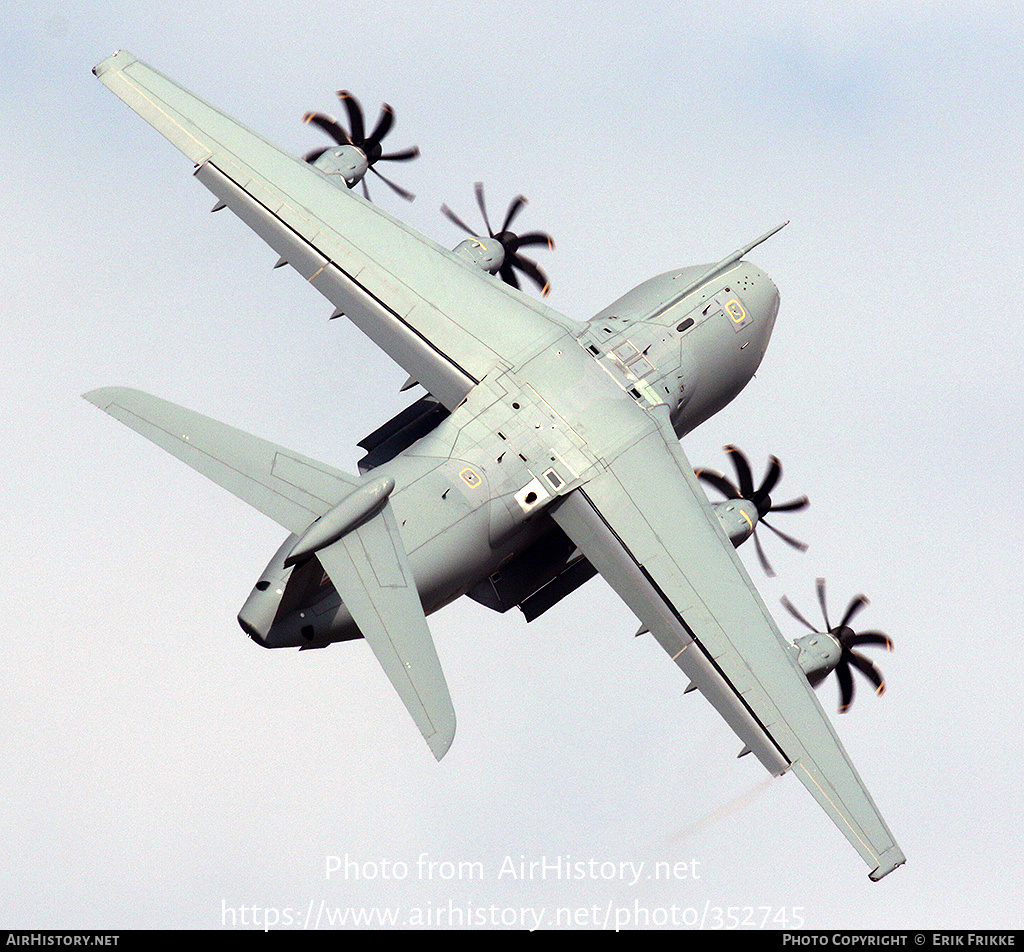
{"type": "Point", "coordinates": [759, 496]}
{"type": "Point", "coordinates": [510, 242]}
{"type": "Point", "coordinates": [369, 145]}
{"type": "Point", "coordinates": [848, 639]}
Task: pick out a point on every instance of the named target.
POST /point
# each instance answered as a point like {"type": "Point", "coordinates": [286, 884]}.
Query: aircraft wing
{"type": "Point", "coordinates": [646, 526]}
{"type": "Point", "coordinates": [442, 319]}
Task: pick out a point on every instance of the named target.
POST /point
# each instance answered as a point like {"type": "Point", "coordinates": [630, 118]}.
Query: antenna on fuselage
{"type": "Point", "coordinates": [717, 269]}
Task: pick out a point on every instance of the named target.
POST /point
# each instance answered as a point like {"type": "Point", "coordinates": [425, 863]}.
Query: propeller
{"type": "Point", "coordinates": [369, 145]}
{"type": "Point", "coordinates": [510, 242]}
{"type": "Point", "coordinates": [848, 639]}
{"type": "Point", "coordinates": [760, 497]}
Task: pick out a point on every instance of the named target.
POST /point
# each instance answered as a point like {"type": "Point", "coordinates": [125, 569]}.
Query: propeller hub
{"type": "Point", "coordinates": [509, 240]}
{"type": "Point", "coordinates": [845, 639]}
{"type": "Point", "coordinates": [510, 260]}
{"type": "Point", "coordinates": [844, 633]}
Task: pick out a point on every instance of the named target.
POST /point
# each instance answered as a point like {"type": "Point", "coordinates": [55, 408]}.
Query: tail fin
{"type": "Point", "coordinates": [367, 562]}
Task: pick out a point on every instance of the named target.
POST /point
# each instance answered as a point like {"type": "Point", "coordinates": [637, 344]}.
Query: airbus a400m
{"type": "Point", "coordinates": [545, 451]}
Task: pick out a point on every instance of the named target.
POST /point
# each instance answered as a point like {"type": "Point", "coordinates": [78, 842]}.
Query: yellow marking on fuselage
{"type": "Point", "coordinates": [735, 311]}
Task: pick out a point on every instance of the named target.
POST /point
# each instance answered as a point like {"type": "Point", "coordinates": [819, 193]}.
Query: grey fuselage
{"type": "Point", "coordinates": [471, 495]}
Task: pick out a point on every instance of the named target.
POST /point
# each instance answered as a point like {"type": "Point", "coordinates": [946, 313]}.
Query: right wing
{"type": "Point", "coordinates": [442, 319]}
{"type": "Point", "coordinates": [646, 526]}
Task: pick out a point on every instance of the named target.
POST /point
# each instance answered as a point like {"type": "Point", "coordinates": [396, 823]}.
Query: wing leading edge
{"type": "Point", "coordinates": [646, 526]}
{"type": "Point", "coordinates": [444, 321]}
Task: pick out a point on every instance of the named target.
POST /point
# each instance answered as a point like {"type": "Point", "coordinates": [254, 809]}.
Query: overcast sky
{"type": "Point", "coordinates": [161, 770]}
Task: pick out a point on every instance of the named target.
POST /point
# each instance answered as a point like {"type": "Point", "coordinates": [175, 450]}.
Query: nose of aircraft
{"type": "Point", "coordinates": [763, 300]}
{"type": "Point", "coordinates": [729, 348]}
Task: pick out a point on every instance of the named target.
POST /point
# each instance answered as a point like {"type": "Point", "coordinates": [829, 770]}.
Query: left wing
{"type": "Point", "coordinates": [646, 526]}
{"type": "Point", "coordinates": [442, 319]}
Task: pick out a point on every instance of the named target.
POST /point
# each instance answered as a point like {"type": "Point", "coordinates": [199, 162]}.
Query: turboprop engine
{"type": "Point", "coordinates": [344, 161]}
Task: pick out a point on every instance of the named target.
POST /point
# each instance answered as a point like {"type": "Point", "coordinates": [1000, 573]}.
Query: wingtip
{"type": "Point", "coordinates": [891, 859]}
{"type": "Point", "coordinates": [101, 397]}
{"type": "Point", "coordinates": [119, 59]}
{"type": "Point", "coordinates": [106, 397]}
{"type": "Point", "coordinates": [441, 741]}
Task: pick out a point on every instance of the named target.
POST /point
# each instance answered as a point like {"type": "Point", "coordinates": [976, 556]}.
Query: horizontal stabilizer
{"type": "Point", "coordinates": [286, 486]}
{"type": "Point", "coordinates": [370, 570]}
{"type": "Point", "coordinates": [368, 565]}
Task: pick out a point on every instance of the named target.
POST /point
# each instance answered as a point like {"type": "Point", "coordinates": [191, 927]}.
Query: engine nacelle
{"type": "Point", "coordinates": [344, 162]}
{"type": "Point", "coordinates": [817, 654]}
{"type": "Point", "coordinates": [488, 254]}
{"type": "Point", "coordinates": [738, 518]}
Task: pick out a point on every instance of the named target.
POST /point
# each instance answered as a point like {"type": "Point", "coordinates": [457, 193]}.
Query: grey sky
{"type": "Point", "coordinates": [161, 768]}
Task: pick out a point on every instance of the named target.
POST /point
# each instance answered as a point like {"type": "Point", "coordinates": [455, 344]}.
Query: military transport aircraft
{"type": "Point", "coordinates": [546, 451]}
